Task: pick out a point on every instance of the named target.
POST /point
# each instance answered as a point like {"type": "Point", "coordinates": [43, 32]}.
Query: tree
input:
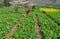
{"type": "Point", "coordinates": [15, 5]}
{"type": "Point", "coordinates": [6, 2]}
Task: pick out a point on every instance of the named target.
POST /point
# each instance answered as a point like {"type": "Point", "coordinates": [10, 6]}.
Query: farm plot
{"type": "Point", "coordinates": [26, 28]}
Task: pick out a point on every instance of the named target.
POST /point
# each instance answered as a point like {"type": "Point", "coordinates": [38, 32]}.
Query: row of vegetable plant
{"type": "Point", "coordinates": [48, 29]}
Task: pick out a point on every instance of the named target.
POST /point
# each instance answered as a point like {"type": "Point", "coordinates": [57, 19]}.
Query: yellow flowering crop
{"type": "Point", "coordinates": [49, 9]}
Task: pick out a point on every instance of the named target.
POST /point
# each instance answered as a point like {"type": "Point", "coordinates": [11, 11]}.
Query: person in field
{"type": "Point", "coordinates": [28, 11]}
{"type": "Point", "coordinates": [33, 7]}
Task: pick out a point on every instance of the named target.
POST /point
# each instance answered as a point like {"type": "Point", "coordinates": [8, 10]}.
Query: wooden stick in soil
{"type": "Point", "coordinates": [37, 28]}
{"type": "Point", "coordinates": [13, 29]}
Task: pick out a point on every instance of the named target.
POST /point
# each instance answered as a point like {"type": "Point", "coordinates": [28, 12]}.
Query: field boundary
{"type": "Point", "coordinates": [37, 29]}
{"type": "Point", "coordinates": [13, 29]}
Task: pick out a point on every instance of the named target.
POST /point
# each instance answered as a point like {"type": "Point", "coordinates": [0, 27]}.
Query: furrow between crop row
{"type": "Point", "coordinates": [39, 36]}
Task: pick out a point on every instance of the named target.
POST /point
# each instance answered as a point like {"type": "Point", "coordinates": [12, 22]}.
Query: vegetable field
{"type": "Point", "coordinates": [50, 29]}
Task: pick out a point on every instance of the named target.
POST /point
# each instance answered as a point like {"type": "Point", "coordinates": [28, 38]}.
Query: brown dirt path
{"type": "Point", "coordinates": [13, 29]}
{"type": "Point", "coordinates": [37, 28]}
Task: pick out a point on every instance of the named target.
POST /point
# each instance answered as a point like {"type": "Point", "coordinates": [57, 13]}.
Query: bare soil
{"type": "Point", "coordinates": [37, 28]}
